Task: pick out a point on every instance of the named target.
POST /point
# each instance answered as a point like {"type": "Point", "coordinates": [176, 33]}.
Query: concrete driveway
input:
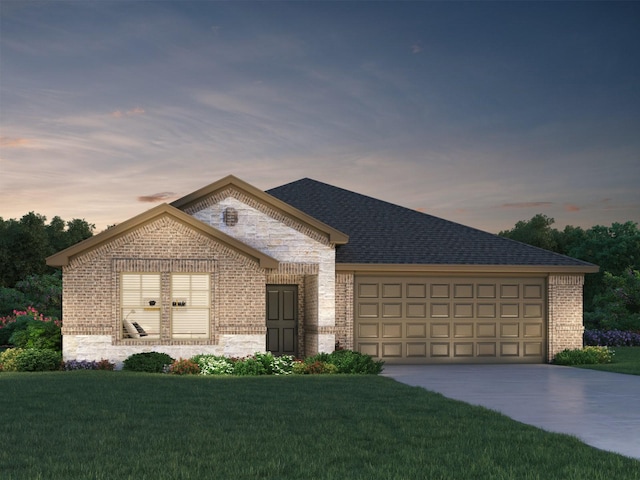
{"type": "Point", "coordinates": [601, 409]}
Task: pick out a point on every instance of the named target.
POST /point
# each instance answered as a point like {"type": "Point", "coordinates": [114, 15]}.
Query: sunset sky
{"type": "Point", "coordinates": [482, 113]}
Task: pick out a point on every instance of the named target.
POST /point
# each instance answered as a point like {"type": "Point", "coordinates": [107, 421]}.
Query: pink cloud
{"type": "Point", "coordinates": [157, 197]}
{"type": "Point", "coordinates": [526, 204]}
{"type": "Point", "coordinates": [128, 113]}
{"type": "Point", "coordinates": [14, 142]}
{"type": "Point", "coordinates": [569, 207]}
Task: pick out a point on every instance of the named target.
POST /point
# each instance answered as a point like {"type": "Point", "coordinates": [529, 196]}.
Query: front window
{"type": "Point", "coordinates": [190, 305]}
{"type": "Point", "coordinates": [141, 305]}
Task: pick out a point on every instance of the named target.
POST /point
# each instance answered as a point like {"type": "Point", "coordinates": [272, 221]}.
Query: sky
{"type": "Point", "coordinates": [483, 113]}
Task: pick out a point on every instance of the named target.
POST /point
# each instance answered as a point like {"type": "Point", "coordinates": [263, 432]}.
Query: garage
{"type": "Point", "coordinates": [439, 319]}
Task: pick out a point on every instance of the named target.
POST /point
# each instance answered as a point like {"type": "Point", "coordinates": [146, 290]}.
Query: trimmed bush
{"type": "Point", "coordinates": [35, 360]}
{"type": "Point", "coordinates": [316, 367]}
{"type": "Point", "coordinates": [348, 361]}
{"type": "Point", "coordinates": [213, 364]}
{"type": "Point", "coordinates": [8, 359]}
{"type": "Point", "coordinates": [150, 362]}
{"type": "Point", "coordinates": [585, 356]}
{"type": "Point", "coordinates": [184, 367]}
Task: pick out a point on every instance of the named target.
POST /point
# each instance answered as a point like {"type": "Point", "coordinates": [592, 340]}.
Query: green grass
{"type": "Point", "coordinates": [625, 360]}
{"type": "Point", "coordinates": [117, 425]}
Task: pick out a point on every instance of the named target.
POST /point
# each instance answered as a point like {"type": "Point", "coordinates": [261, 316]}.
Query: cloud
{"type": "Point", "coordinates": [157, 197]}
{"type": "Point", "coordinates": [14, 142]}
{"type": "Point", "coordinates": [128, 113]}
{"type": "Point", "coordinates": [416, 48]}
{"type": "Point", "coordinates": [569, 207]}
{"type": "Point", "coordinates": [526, 204]}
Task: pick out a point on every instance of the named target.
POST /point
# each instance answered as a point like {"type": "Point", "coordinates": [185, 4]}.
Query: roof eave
{"type": "Point", "coordinates": [385, 268]}
{"type": "Point", "coordinates": [335, 236]}
{"type": "Point", "coordinates": [63, 257]}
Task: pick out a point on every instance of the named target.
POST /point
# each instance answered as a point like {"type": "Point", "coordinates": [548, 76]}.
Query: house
{"type": "Point", "coordinates": [230, 270]}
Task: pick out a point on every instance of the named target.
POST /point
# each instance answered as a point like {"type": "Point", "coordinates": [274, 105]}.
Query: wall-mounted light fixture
{"type": "Point", "coordinates": [230, 216]}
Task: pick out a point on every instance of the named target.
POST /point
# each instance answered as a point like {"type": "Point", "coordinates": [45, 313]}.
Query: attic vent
{"type": "Point", "coordinates": [230, 216]}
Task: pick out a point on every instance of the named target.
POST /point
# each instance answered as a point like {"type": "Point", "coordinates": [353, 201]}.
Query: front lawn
{"type": "Point", "coordinates": [625, 360]}
{"type": "Point", "coordinates": [118, 425]}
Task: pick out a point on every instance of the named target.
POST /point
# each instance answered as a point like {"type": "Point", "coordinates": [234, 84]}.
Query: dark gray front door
{"type": "Point", "coordinates": [282, 319]}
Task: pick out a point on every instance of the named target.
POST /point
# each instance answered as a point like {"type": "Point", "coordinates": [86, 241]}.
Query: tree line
{"type": "Point", "coordinates": [611, 296]}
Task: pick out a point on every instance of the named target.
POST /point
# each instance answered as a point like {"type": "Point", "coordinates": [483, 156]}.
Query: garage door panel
{"type": "Point", "coordinates": [532, 349]}
{"type": "Point", "coordinates": [486, 310]}
{"type": "Point", "coordinates": [416, 330]}
{"type": "Point", "coordinates": [463, 310]}
{"type": "Point", "coordinates": [461, 349]}
{"type": "Point", "coordinates": [392, 330]}
{"type": "Point", "coordinates": [486, 330]}
{"type": "Point", "coordinates": [509, 349]}
{"type": "Point", "coordinates": [440, 330]}
{"type": "Point", "coordinates": [368, 310]}
{"type": "Point", "coordinates": [442, 319]}
{"type": "Point", "coordinates": [463, 330]}
{"type": "Point", "coordinates": [486, 349]}
{"type": "Point", "coordinates": [439, 349]}
{"type": "Point", "coordinates": [416, 310]}
{"type": "Point", "coordinates": [416, 350]}
{"type": "Point", "coordinates": [368, 330]}
{"type": "Point", "coordinates": [532, 310]}
{"type": "Point", "coordinates": [532, 330]}
{"type": "Point", "coordinates": [440, 310]}
{"type": "Point", "coordinates": [393, 310]}
{"type": "Point", "coordinates": [391, 350]}
{"type": "Point", "coordinates": [391, 290]}
{"type": "Point", "coordinates": [509, 330]}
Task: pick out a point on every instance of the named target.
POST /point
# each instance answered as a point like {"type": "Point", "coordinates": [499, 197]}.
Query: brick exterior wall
{"type": "Point", "coordinates": [344, 310]}
{"type": "Point", "coordinates": [92, 315]}
{"type": "Point", "coordinates": [91, 298]}
{"type": "Point", "coordinates": [565, 327]}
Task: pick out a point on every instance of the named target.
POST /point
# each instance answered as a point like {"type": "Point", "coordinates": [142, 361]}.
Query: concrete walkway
{"type": "Point", "coordinates": [602, 409]}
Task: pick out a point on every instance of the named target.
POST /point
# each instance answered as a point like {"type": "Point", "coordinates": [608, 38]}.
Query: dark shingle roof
{"type": "Point", "coordinates": [384, 233]}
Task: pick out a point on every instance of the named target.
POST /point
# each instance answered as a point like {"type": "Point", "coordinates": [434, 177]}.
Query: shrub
{"type": "Point", "coordinates": [36, 360]}
{"type": "Point", "coordinates": [30, 329]}
{"type": "Point", "coordinates": [213, 365]}
{"type": "Point", "coordinates": [184, 367]}
{"type": "Point", "coordinates": [585, 356]}
{"type": "Point", "coordinates": [318, 367]}
{"type": "Point", "coordinates": [88, 365]}
{"type": "Point", "coordinates": [8, 359]}
{"type": "Point", "coordinates": [151, 362]}
{"type": "Point", "coordinates": [348, 361]}
{"type": "Point", "coordinates": [611, 338]}
{"type": "Point", "coordinates": [249, 366]}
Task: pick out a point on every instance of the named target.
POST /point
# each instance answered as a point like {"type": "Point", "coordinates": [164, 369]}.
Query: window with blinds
{"type": "Point", "coordinates": [140, 303]}
{"type": "Point", "coordinates": [190, 305]}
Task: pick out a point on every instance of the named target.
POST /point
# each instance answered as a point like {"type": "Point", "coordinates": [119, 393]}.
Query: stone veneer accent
{"type": "Point", "coordinates": [300, 249]}
{"type": "Point", "coordinates": [565, 326]}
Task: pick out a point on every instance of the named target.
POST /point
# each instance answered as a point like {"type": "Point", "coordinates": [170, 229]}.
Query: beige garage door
{"type": "Point", "coordinates": [450, 319]}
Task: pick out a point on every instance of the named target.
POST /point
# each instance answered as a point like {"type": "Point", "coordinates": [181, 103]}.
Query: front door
{"type": "Point", "coordinates": [282, 319]}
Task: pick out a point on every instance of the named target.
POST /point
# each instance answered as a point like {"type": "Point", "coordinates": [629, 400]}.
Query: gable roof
{"type": "Point", "coordinates": [335, 236]}
{"type": "Point", "coordinates": [384, 233]}
{"type": "Point", "coordinates": [63, 257]}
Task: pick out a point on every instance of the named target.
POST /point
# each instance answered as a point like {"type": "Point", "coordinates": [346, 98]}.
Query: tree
{"type": "Point", "coordinates": [25, 244]}
{"type": "Point", "coordinates": [536, 232]}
